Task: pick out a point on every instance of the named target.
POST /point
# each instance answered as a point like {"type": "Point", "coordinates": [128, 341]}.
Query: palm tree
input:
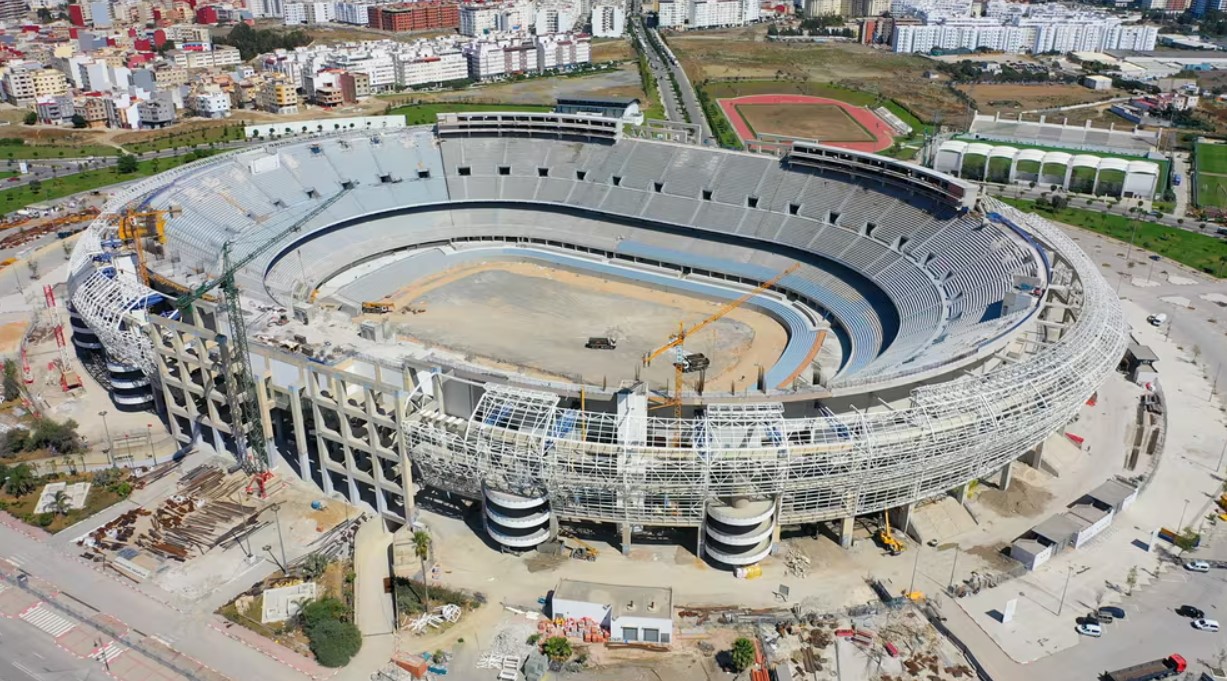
{"type": "Point", "coordinates": [61, 502]}
{"type": "Point", "coordinates": [21, 480]}
{"type": "Point", "coordinates": [421, 549]}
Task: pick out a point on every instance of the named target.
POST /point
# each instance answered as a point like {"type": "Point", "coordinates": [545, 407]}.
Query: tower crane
{"type": "Point", "coordinates": [678, 340]}
{"type": "Point", "coordinates": [135, 225]}
{"type": "Point", "coordinates": [239, 383]}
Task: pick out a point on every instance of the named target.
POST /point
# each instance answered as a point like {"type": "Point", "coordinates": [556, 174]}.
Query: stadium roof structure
{"type": "Point", "coordinates": [1132, 141]}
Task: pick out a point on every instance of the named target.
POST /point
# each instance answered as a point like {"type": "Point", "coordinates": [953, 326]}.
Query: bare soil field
{"type": "Point", "coordinates": [623, 82]}
{"type": "Point", "coordinates": [611, 49]}
{"type": "Point", "coordinates": [743, 53]}
{"type": "Point", "coordinates": [535, 319]}
{"type": "Point", "coordinates": [1017, 97]}
{"type": "Point", "coordinates": [826, 122]}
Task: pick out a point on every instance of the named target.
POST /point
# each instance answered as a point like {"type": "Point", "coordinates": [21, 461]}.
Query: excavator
{"type": "Point", "coordinates": [887, 538]}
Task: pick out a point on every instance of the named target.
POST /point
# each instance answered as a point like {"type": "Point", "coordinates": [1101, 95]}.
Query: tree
{"type": "Point", "coordinates": [61, 502]}
{"type": "Point", "coordinates": [36, 186]}
{"type": "Point", "coordinates": [421, 549]}
{"type": "Point", "coordinates": [334, 642]}
{"type": "Point", "coordinates": [12, 384]}
{"type": "Point", "coordinates": [557, 648]}
{"type": "Point", "coordinates": [21, 480]}
{"type": "Point", "coordinates": [30, 118]}
{"type": "Point", "coordinates": [126, 164]}
{"type": "Point", "coordinates": [78, 121]}
{"type": "Point", "coordinates": [1131, 580]}
{"type": "Point", "coordinates": [44, 15]}
{"type": "Point", "coordinates": [743, 654]}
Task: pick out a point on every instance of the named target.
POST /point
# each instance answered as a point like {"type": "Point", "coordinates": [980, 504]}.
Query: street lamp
{"type": "Point", "coordinates": [1180, 525]}
{"type": "Point", "coordinates": [110, 442]}
{"type": "Point", "coordinates": [149, 429]}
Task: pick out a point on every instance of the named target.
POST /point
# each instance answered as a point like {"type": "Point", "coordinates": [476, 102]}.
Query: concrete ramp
{"type": "Point", "coordinates": [940, 521]}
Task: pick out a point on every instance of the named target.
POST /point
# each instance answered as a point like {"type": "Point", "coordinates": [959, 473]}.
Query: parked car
{"type": "Point", "coordinates": [1204, 624]}
{"type": "Point", "coordinates": [1109, 613]}
{"type": "Point", "coordinates": [1197, 566]}
{"type": "Point", "coordinates": [1190, 611]}
{"type": "Point", "coordinates": [1157, 319]}
{"type": "Point", "coordinates": [1089, 629]}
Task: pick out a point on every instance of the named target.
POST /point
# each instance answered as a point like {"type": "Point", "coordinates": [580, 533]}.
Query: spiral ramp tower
{"type": "Point", "coordinates": [514, 521]}
{"type": "Point", "coordinates": [131, 389]}
{"type": "Point", "coordinates": [739, 532]}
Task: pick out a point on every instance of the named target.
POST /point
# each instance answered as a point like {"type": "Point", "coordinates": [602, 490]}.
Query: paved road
{"type": "Point", "coordinates": [656, 64]}
{"type": "Point", "coordinates": [689, 99]}
{"type": "Point", "coordinates": [27, 654]}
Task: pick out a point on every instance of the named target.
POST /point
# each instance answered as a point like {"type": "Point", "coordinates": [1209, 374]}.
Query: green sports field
{"type": "Point", "coordinates": [1211, 158]}
{"type": "Point", "coordinates": [1211, 191]}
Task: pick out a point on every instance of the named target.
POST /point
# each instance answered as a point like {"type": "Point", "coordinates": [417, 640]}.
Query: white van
{"type": "Point", "coordinates": [1157, 319]}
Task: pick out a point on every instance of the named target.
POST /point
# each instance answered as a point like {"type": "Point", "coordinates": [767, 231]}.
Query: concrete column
{"type": "Point", "coordinates": [961, 492]}
{"type": "Point", "coordinates": [1003, 481]}
{"type": "Point", "coordinates": [901, 518]}
{"type": "Point", "coordinates": [775, 519]}
{"type": "Point", "coordinates": [626, 538]}
{"type": "Point", "coordinates": [845, 532]}
{"type": "Point", "coordinates": [1033, 457]}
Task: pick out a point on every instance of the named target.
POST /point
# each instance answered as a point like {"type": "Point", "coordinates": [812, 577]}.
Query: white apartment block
{"type": "Point", "coordinates": [188, 33]}
{"type": "Point", "coordinates": [354, 12]}
{"type": "Point", "coordinates": [378, 65]}
{"type": "Point", "coordinates": [608, 19]}
{"type": "Point", "coordinates": [309, 13]}
{"type": "Point", "coordinates": [271, 8]}
{"type": "Point", "coordinates": [479, 19]}
{"type": "Point", "coordinates": [556, 16]}
{"type": "Point", "coordinates": [562, 51]}
{"type": "Point", "coordinates": [221, 55]}
{"type": "Point", "coordinates": [430, 65]}
{"type": "Point", "coordinates": [1082, 33]}
{"type": "Point", "coordinates": [506, 56]}
{"type": "Point", "coordinates": [707, 13]}
{"type": "Point", "coordinates": [211, 103]}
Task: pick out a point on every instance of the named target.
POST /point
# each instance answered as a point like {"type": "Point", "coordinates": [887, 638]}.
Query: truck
{"type": "Point", "coordinates": [1149, 671]}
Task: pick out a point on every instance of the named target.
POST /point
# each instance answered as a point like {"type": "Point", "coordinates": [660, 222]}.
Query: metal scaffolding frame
{"type": "Point", "coordinates": [643, 470]}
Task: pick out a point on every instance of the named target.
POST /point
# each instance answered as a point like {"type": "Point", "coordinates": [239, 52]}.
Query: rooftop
{"type": "Point", "coordinates": [1112, 493]}
{"type": "Point", "coordinates": [634, 601]}
{"type": "Point", "coordinates": [1059, 528]}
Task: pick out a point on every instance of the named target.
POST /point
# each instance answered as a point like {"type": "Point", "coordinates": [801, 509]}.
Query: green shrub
{"type": "Point", "coordinates": [44, 519]}
{"type": "Point", "coordinates": [321, 610]}
{"type": "Point", "coordinates": [334, 642]}
{"type": "Point", "coordinates": [557, 648]}
{"type": "Point", "coordinates": [743, 654]}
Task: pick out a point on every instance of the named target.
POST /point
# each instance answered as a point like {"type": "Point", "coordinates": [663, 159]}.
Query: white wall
{"type": "Point", "coordinates": [664, 626]}
{"type": "Point", "coordinates": [579, 609]}
{"type": "Point", "coordinates": [359, 123]}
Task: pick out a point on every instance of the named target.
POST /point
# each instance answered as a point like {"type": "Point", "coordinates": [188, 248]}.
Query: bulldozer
{"type": "Point", "coordinates": [887, 538]}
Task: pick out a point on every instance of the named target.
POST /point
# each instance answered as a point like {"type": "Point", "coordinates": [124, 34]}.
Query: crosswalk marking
{"type": "Point", "coordinates": [108, 652]}
{"type": "Point", "coordinates": [46, 620]}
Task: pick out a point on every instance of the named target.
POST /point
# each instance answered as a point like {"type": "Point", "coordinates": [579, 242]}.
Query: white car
{"type": "Point", "coordinates": [1157, 319]}
{"type": "Point", "coordinates": [1197, 566]}
{"type": "Point", "coordinates": [1089, 629]}
{"type": "Point", "coordinates": [1205, 624]}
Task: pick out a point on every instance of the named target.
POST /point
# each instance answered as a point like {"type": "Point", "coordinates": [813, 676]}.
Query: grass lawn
{"type": "Point", "coordinates": [25, 151]}
{"type": "Point", "coordinates": [1211, 158]}
{"type": "Point", "coordinates": [187, 138]}
{"type": "Point", "coordinates": [67, 185]}
{"type": "Point", "coordinates": [424, 114]}
{"type": "Point", "coordinates": [1199, 251]}
{"type": "Point", "coordinates": [22, 507]}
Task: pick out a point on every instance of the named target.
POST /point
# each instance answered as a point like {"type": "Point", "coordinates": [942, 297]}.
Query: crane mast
{"type": "Point", "coordinates": [240, 385]}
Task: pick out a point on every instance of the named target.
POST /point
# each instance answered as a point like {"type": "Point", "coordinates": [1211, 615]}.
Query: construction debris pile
{"type": "Point", "coordinates": [796, 562]}
{"type": "Point", "coordinates": [435, 618]}
{"type": "Point", "coordinates": [203, 514]}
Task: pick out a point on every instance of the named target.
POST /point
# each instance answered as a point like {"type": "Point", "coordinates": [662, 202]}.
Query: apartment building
{"type": "Point", "coordinates": [221, 55]}
{"type": "Point", "coordinates": [55, 110]}
{"type": "Point", "coordinates": [158, 111]}
{"type": "Point", "coordinates": [608, 18]}
{"type": "Point", "coordinates": [415, 16]}
{"type": "Point", "coordinates": [25, 82]}
{"type": "Point", "coordinates": [707, 13]}
{"type": "Point", "coordinates": [277, 97]}
{"type": "Point", "coordinates": [210, 102]}
{"type": "Point", "coordinates": [431, 64]}
{"type": "Point", "coordinates": [563, 51]}
{"type": "Point", "coordinates": [92, 108]}
{"type": "Point", "coordinates": [503, 57]}
{"type": "Point", "coordinates": [308, 12]}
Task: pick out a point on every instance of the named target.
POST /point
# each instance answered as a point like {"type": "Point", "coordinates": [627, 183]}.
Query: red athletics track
{"type": "Point", "coordinates": [876, 126]}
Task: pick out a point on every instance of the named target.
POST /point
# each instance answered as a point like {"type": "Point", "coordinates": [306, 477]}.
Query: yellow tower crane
{"type": "Point", "coordinates": [678, 341]}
